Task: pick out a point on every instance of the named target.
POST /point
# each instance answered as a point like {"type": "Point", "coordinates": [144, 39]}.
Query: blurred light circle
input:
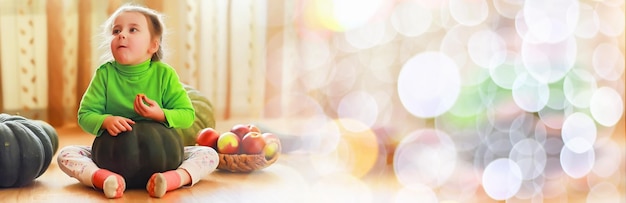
{"type": "Point", "coordinates": [579, 132]}
{"type": "Point", "coordinates": [554, 171]}
{"type": "Point", "coordinates": [499, 146]}
{"type": "Point", "coordinates": [522, 29]}
{"type": "Point", "coordinates": [417, 192]}
{"type": "Point", "coordinates": [607, 153]}
{"type": "Point", "coordinates": [349, 18]}
{"type": "Point", "coordinates": [529, 94]}
{"type": "Point", "coordinates": [379, 60]}
{"type": "Point", "coordinates": [551, 21]}
{"type": "Point", "coordinates": [605, 192]}
{"type": "Point", "coordinates": [469, 13]}
{"type": "Point", "coordinates": [557, 99]}
{"type": "Point", "coordinates": [313, 51]}
{"type": "Point", "coordinates": [504, 75]}
{"type": "Point", "coordinates": [607, 106]}
{"type": "Point", "coordinates": [366, 36]}
{"type": "Point", "coordinates": [471, 104]}
{"type": "Point", "coordinates": [502, 179]}
{"type": "Point", "coordinates": [530, 157]}
{"type": "Point", "coordinates": [508, 8]}
{"type": "Point", "coordinates": [356, 152]}
{"type": "Point", "coordinates": [522, 127]}
{"type": "Point", "coordinates": [548, 63]}
{"type": "Point", "coordinates": [341, 78]}
{"type": "Point", "coordinates": [554, 190]}
{"type": "Point", "coordinates": [553, 145]}
{"type": "Point", "coordinates": [487, 49]}
{"type": "Point", "coordinates": [553, 118]}
{"type": "Point", "coordinates": [589, 23]}
{"type": "Point", "coordinates": [540, 133]}
{"type": "Point", "coordinates": [611, 19]}
{"type": "Point", "coordinates": [316, 78]}
{"type": "Point", "coordinates": [577, 165]}
{"type": "Point", "coordinates": [455, 45]}
{"type": "Point", "coordinates": [429, 84]}
{"type": "Point", "coordinates": [425, 157]}
{"type": "Point", "coordinates": [503, 113]}
{"type": "Point", "coordinates": [531, 190]}
{"type": "Point", "coordinates": [360, 106]}
{"type": "Point", "coordinates": [410, 19]}
{"type": "Point", "coordinates": [463, 185]}
{"type": "Point", "coordinates": [578, 87]}
{"type": "Point", "coordinates": [608, 61]}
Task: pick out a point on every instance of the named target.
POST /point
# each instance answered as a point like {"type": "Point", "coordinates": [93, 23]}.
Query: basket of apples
{"type": "Point", "coordinates": [242, 149]}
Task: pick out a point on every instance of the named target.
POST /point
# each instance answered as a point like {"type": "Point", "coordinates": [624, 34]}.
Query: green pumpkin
{"type": "Point", "coordinates": [51, 132]}
{"type": "Point", "coordinates": [204, 116]}
{"type": "Point", "coordinates": [26, 149]}
{"type": "Point", "coordinates": [149, 148]}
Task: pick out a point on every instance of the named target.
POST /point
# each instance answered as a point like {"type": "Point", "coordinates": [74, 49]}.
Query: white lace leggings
{"type": "Point", "coordinates": [76, 162]}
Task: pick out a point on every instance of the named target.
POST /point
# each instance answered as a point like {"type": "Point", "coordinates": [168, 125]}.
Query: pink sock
{"type": "Point", "coordinates": [160, 183]}
{"type": "Point", "coordinates": [111, 183]}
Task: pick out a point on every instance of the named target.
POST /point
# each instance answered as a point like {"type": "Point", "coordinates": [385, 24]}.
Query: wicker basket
{"type": "Point", "coordinates": [244, 163]}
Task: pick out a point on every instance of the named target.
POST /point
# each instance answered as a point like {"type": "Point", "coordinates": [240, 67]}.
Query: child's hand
{"type": "Point", "coordinates": [152, 110]}
{"type": "Point", "coordinates": [117, 124]}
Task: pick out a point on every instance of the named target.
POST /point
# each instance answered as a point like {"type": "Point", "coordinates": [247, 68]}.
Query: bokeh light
{"type": "Point", "coordinates": [576, 164]}
{"type": "Point", "coordinates": [429, 84]}
{"type": "Point", "coordinates": [410, 19]}
{"type": "Point", "coordinates": [502, 178]}
{"type": "Point", "coordinates": [551, 21]}
{"type": "Point", "coordinates": [606, 106]}
{"type": "Point", "coordinates": [505, 99]}
{"type": "Point", "coordinates": [425, 157]}
{"type": "Point", "coordinates": [352, 152]}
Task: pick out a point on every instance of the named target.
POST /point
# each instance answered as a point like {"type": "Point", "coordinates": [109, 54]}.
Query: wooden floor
{"type": "Point", "coordinates": [291, 179]}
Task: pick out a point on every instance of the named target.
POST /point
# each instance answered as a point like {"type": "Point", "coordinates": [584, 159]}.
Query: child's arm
{"type": "Point", "coordinates": [91, 109]}
{"type": "Point", "coordinates": [177, 107]}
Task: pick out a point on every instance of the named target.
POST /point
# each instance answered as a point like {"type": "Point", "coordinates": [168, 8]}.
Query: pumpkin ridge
{"type": "Point", "coordinates": [9, 174]}
{"type": "Point", "coordinates": [31, 159]}
{"type": "Point", "coordinates": [45, 142]}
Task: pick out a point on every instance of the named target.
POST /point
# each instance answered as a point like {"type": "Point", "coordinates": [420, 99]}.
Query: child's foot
{"type": "Point", "coordinates": [114, 186]}
{"type": "Point", "coordinates": [157, 185]}
{"type": "Point", "coordinates": [111, 183]}
{"type": "Point", "coordinates": [160, 183]}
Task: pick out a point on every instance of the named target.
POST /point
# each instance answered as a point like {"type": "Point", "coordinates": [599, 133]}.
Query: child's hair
{"type": "Point", "coordinates": [155, 24]}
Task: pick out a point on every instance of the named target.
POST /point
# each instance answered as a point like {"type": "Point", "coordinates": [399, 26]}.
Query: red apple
{"type": "Point", "coordinates": [252, 143]}
{"type": "Point", "coordinates": [253, 128]}
{"type": "Point", "coordinates": [272, 145]}
{"type": "Point", "coordinates": [228, 143]}
{"type": "Point", "coordinates": [208, 137]}
{"type": "Point", "coordinates": [240, 130]}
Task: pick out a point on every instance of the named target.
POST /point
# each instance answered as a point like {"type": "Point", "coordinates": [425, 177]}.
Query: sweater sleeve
{"type": "Point", "coordinates": [92, 105]}
{"type": "Point", "coordinates": [177, 107]}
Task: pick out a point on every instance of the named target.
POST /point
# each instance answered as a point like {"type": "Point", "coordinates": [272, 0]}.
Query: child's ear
{"type": "Point", "coordinates": [154, 46]}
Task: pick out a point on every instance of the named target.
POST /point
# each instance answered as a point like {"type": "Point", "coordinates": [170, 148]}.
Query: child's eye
{"type": "Point", "coordinates": [115, 31]}
{"type": "Point", "coordinates": [133, 30]}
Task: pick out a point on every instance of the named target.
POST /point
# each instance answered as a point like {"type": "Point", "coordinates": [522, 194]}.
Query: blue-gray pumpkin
{"type": "Point", "coordinates": [26, 149]}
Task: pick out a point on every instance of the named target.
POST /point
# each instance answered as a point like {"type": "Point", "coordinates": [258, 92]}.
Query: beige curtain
{"type": "Point", "coordinates": [48, 53]}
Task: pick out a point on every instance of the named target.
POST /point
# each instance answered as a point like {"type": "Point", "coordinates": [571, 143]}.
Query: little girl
{"type": "Point", "coordinates": [136, 85]}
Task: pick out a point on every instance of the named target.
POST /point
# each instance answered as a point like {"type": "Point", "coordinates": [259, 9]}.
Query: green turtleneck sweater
{"type": "Point", "coordinates": [113, 89]}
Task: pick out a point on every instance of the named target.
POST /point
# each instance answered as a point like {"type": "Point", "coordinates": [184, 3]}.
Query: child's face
{"type": "Point", "coordinates": [132, 42]}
